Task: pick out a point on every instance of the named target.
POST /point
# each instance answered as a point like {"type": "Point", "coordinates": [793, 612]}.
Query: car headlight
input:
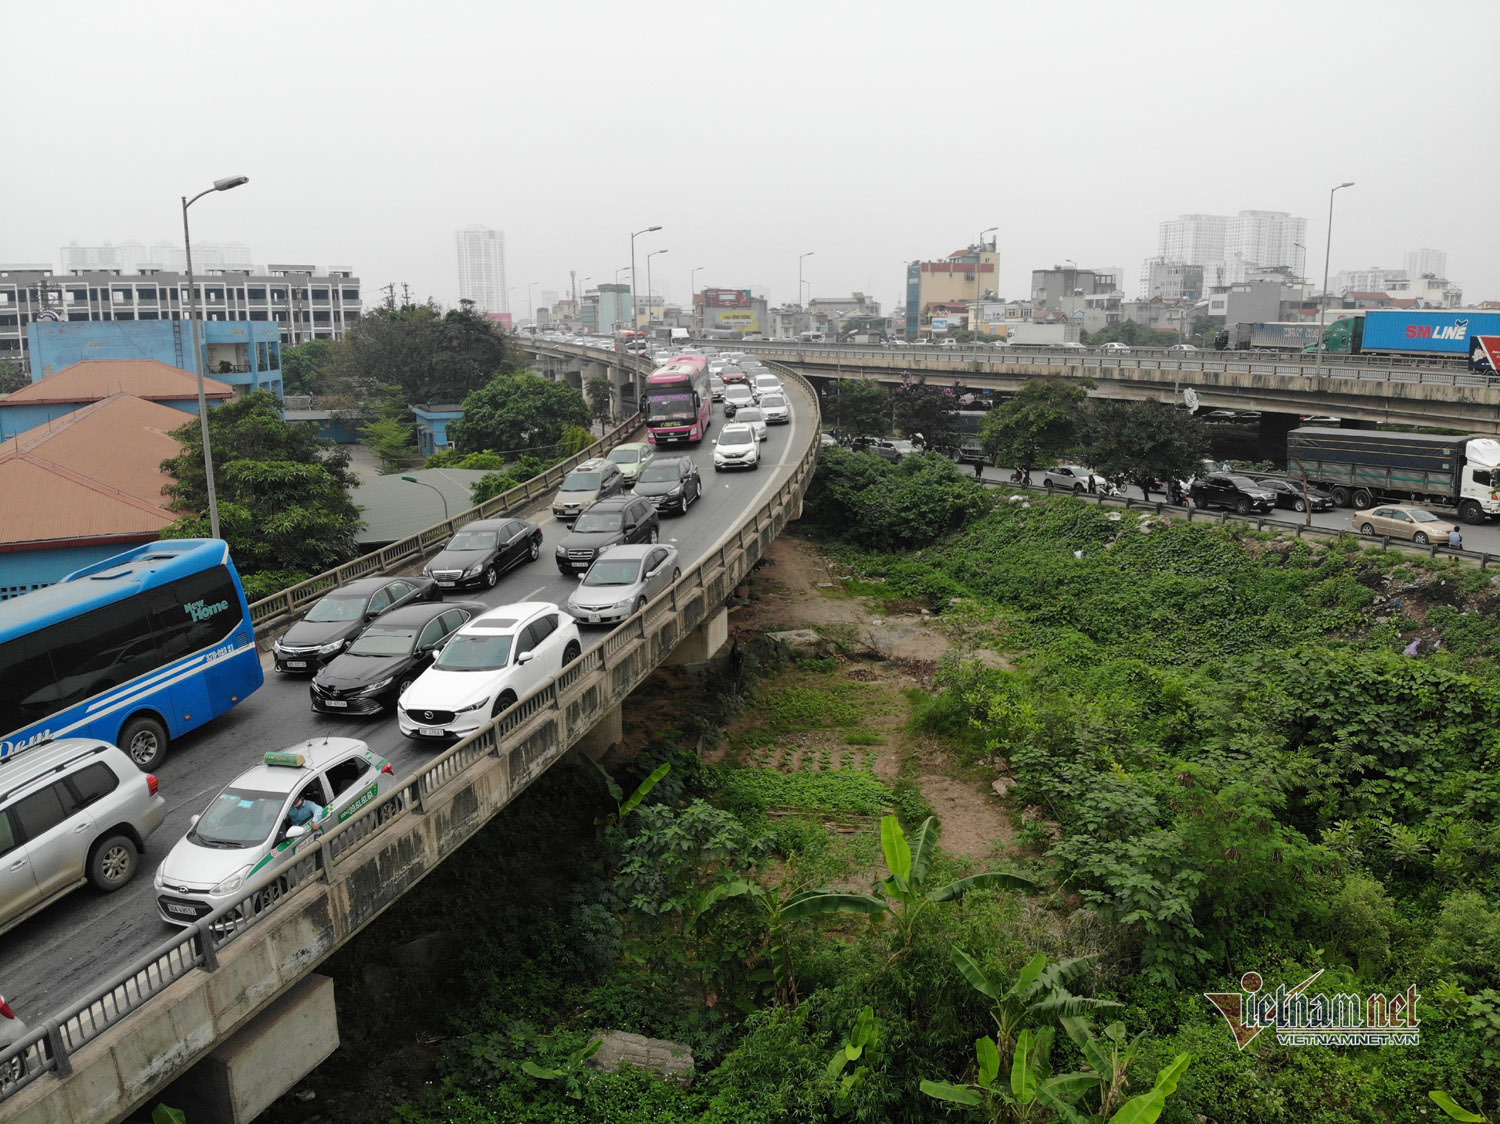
{"type": "Point", "coordinates": [329, 649]}
{"type": "Point", "coordinates": [232, 883]}
{"type": "Point", "coordinates": [376, 688]}
{"type": "Point", "coordinates": [471, 706]}
{"type": "Point", "coordinates": [475, 570]}
{"type": "Point", "coordinates": [276, 647]}
{"type": "Point", "coordinates": [677, 491]}
{"type": "Point", "coordinates": [621, 606]}
{"type": "Point", "coordinates": [562, 552]}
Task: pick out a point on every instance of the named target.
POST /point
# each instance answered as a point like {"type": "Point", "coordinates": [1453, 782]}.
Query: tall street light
{"type": "Point", "coordinates": [978, 278]}
{"type": "Point", "coordinates": [617, 322]}
{"type": "Point", "coordinates": [1323, 298]}
{"type": "Point", "coordinates": [649, 256]}
{"type": "Point", "coordinates": [196, 317]}
{"type": "Point", "coordinates": [530, 308]}
{"type": "Point", "coordinates": [1301, 260]}
{"type": "Point", "coordinates": [799, 277]}
{"type": "Point", "coordinates": [634, 319]}
{"type": "Point", "coordinates": [413, 480]}
{"type": "Point", "coordinates": [693, 295]}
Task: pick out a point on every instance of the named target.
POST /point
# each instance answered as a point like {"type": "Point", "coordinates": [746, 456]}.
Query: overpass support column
{"type": "Point", "coordinates": [258, 1063]}
{"type": "Point", "coordinates": [698, 647]}
{"type": "Point", "coordinates": [610, 730]}
{"type": "Point", "coordinates": [1272, 437]}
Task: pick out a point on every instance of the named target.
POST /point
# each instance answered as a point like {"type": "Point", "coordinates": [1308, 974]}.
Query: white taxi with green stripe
{"type": "Point", "coordinates": [246, 830]}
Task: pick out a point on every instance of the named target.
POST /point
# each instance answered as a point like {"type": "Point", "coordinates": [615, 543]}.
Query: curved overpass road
{"type": "Point", "coordinates": [60, 954]}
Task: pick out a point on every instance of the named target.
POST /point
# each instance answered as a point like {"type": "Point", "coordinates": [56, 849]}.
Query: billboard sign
{"type": "Point", "coordinates": [726, 298]}
{"type": "Point", "coordinates": [740, 321]}
{"type": "Point", "coordinates": [940, 323]}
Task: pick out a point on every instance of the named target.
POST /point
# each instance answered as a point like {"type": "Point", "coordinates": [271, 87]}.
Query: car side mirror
{"type": "Point", "coordinates": [194, 821]}
{"type": "Point", "coordinates": [631, 526]}
{"type": "Point", "coordinates": [525, 657]}
{"type": "Point", "coordinates": [294, 832]}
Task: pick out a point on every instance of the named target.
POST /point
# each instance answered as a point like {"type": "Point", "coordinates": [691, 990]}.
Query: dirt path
{"type": "Point", "coordinates": [895, 652]}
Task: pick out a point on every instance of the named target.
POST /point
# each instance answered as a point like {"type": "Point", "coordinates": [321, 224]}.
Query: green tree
{"type": "Point", "coordinates": [283, 493]}
{"type": "Point", "coordinates": [1145, 440]}
{"type": "Point", "coordinates": [433, 356]}
{"type": "Point", "coordinates": [932, 411]}
{"type": "Point", "coordinates": [12, 377]}
{"type": "Point", "coordinates": [392, 441]}
{"type": "Point", "coordinates": [1133, 333]}
{"type": "Point", "coordinates": [304, 368]}
{"type": "Point", "coordinates": [518, 412]}
{"type": "Point", "coordinates": [601, 396]}
{"type": "Point", "coordinates": [859, 408]}
{"type": "Point", "coordinates": [1044, 420]}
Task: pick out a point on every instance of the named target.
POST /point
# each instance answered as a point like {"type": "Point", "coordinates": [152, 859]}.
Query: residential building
{"type": "Point", "coordinates": [1426, 262]}
{"type": "Point", "coordinates": [735, 310]}
{"type": "Point", "coordinates": [1064, 287]}
{"type": "Point", "coordinates": [605, 308]}
{"type": "Point", "coordinates": [1229, 247]}
{"type": "Point", "coordinates": [481, 268]}
{"type": "Point", "coordinates": [1373, 280]}
{"type": "Point", "coordinates": [970, 274]}
{"type": "Point", "coordinates": [1173, 280]}
{"type": "Point", "coordinates": [432, 427]}
{"type": "Point", "coordinates": [82, 489]}
{"type": "Point", "coordinates": [244, 354]}
{"type": "Point", "coordinates": [94, 380]}
{"type": "Point", "coordinates": [137, 257]}
{"type": "Point", "coordinates": [297, 300]}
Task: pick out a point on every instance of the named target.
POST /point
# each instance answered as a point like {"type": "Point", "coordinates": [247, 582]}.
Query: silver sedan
{"type": "Point", "coordinates": [621, 582]}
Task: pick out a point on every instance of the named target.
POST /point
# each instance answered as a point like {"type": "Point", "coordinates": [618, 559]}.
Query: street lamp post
{"type": "Point", "coordinates": [978, 278]}
{"type": "Point", "coordinates": [799, 277]}
{"type": "Point", "coordinates": [693, 295]}
{"type": "Point", "coordinates": [1301, 260]}
{"type": "Point", "coordinates": [195, 316]}
{"type": "Point", "coordinates": [649, 256]}
{"type": "Point", "coordinates": [413, 480]}
{"type": "Point", "coordinates": [530, 308]}
{"type": "Point", "coordinates": [1323, 297]}
{"type": "Point", "coordinates": [634, 319]}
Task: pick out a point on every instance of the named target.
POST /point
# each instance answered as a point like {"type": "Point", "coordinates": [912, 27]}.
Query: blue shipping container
{"type": "Point", "coordinates": [1429, 332]}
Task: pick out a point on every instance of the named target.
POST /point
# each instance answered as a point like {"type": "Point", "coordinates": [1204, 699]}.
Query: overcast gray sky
{"type": "Point", "coordinates": [868, 133]}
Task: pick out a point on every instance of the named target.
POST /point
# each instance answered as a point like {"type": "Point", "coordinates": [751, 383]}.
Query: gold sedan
{"type": "Point", "coordinates": [1399, 521]}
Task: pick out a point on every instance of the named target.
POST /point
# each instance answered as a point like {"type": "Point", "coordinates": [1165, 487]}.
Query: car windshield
{"type": "Point", "coordinates": [736, 437]}
{"type": "Point", "coordinates": [383, 640]}
{"type": "Point", "coordinates": [581, 482]}
{"type": "Point", "coordinates": [772, 400]}
{"type": "Point", "coordinates": [1241, 481]}
{"type": "Point", "coordinates": [1420, 515]}
{"type": "Point", "coordinates": [474, 540]}
{"type": "Point", "coordinates": [750, 415]}
{"type": "Point", "coordinates": [620, 571]}
{"type": "Point", "coordinates": [593, 521]}
{"type": "Point", "coordinates": [625, 455]}
{"type": "Point", "coordinates": [660, 405]}
{"type": "Point", "coordinates": [338, 607]}
{"type": "Point", "coordinates": [478, 652]}
{"type": "Point", "coordinates": [659, 474]}
{"type": "Point", "coordinates": [239, 817]}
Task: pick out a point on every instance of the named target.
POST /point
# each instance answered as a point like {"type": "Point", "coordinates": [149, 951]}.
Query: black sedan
{"type": "Point", "coordinates": [483, 550]}
{"type": "Point", "coordinates": [338, 617]}
{"type": "Point", "coordinates": [671, 483]}
{"type": "Point", "coordinates": [1290, 493]}
{"type": "Point", "coordinates": [387, 657]}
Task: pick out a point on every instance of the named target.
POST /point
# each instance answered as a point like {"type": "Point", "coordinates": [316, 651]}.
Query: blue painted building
{"type": "Point", "coordinates": [246, 354]}
{"type": "Point", "coordinates": [432, 427]}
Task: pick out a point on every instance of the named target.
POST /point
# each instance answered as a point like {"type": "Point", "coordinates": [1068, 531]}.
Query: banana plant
{"type": "Point", "coordinates": [1454, 1111]}
{"type": "Point", "coordinates": [773, 905]}
{"type": "Point", "coordinates": [1039, 992]}
{"type": "Point", "coordinates": [861, 1044]}
{"type": "Point", "coordinates": [902, 895]}
{"type": "Point", "coordinates": [574, 1072]}
{"type": "Point", "coordinates": [625, 805]}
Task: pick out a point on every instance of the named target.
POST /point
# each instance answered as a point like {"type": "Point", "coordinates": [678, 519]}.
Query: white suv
{"type": "Point", "coordinates": [737, 447]}
{"type": "Point", "coordinates": [72, 811]}
{"type": "Point", "coordinates": [489, 664]}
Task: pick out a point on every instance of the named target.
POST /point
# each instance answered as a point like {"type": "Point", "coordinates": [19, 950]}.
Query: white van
{"type": "Point", "coordinates": [811, 337]}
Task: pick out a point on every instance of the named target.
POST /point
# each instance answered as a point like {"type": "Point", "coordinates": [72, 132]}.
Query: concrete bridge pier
{"type": "Point", "coordinates": [610, 730]}
{"type": "Point", "coordinates": [698, 648]}
{"type": "Point", "coordinates": [1272, 435]}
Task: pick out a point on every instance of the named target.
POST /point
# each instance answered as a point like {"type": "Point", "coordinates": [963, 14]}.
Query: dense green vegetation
{"type": "Point", "coordinates": [1221, 762]}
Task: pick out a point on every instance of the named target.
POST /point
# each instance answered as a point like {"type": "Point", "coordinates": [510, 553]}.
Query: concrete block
{"type": "Point", "coordinates": [263, 1060]}
{"type": "Point", "coordinates": [670, 1059]}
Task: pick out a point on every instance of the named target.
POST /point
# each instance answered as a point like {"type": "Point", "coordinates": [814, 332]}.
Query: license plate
{"type": "Point", "coordinates": [335, 702]}
{"type": "Point", "coordinates": [593, 618]}
{"type": "Point", "coordinates": [186, 910]}
{"type": "Point", "coordinates": [447, 585]}
{"type": "Point", "coordinates": [296, 663]}
{"type": "Point", "coordinates": [430, 731]}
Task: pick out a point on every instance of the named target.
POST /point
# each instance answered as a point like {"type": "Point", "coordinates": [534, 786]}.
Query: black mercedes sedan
{"type": "Point", "coordinates": [387, 657]}
{"type": "Point", "coordinates": [337, 618]}
{"type": "Point", "coordinates": [479, 552]}
{"type": "Point", "coordinates": [1290, 493]}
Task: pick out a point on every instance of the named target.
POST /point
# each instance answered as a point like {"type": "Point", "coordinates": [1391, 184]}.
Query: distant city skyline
{"type": "Point", "coordinates": [481, 268]}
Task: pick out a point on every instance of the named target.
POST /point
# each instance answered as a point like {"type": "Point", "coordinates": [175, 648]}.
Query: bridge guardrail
{"type": "Point", "coordinates": [529, 737]}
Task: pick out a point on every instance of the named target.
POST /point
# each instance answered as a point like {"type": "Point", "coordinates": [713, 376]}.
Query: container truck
{"type": "Point", "coordinates": [1288, 336]}
{"type": "Point", "coordinates": [1039, 335]}
{"type": "Point", "coordinates": [1363, 467]}
{"type": "Point", "coordinates": [1439, 333]}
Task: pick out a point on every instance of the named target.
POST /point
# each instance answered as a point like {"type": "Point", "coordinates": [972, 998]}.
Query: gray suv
{"type": "Point", "coordinates": [71, 811]}
{"type": "Point", "coordinates": [592, 480]}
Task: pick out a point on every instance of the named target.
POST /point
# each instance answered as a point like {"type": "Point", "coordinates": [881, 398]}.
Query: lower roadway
{"type": "Point", "coordinates": [73, 946]}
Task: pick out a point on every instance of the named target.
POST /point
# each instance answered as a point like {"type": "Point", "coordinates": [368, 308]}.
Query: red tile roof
{"type": "Point", "coordinates": [96, 379]}
{"type": "Point", "coordinates": [93, 474]}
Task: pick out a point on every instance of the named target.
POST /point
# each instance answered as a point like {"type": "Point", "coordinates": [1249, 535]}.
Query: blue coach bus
{"type": "Point", "coordinates": [136, 650]}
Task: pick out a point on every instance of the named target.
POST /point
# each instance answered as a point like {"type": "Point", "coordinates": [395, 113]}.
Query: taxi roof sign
{"type": "Point", "coordinates": [292, 760]}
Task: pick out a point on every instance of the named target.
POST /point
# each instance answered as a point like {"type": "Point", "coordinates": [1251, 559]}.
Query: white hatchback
{"type": "Point", "coordinates": [737, 447]}
{"type": "Point", "coordinates": [775, 409]}
{"type": "Point", "coordinates": [488, 665]}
